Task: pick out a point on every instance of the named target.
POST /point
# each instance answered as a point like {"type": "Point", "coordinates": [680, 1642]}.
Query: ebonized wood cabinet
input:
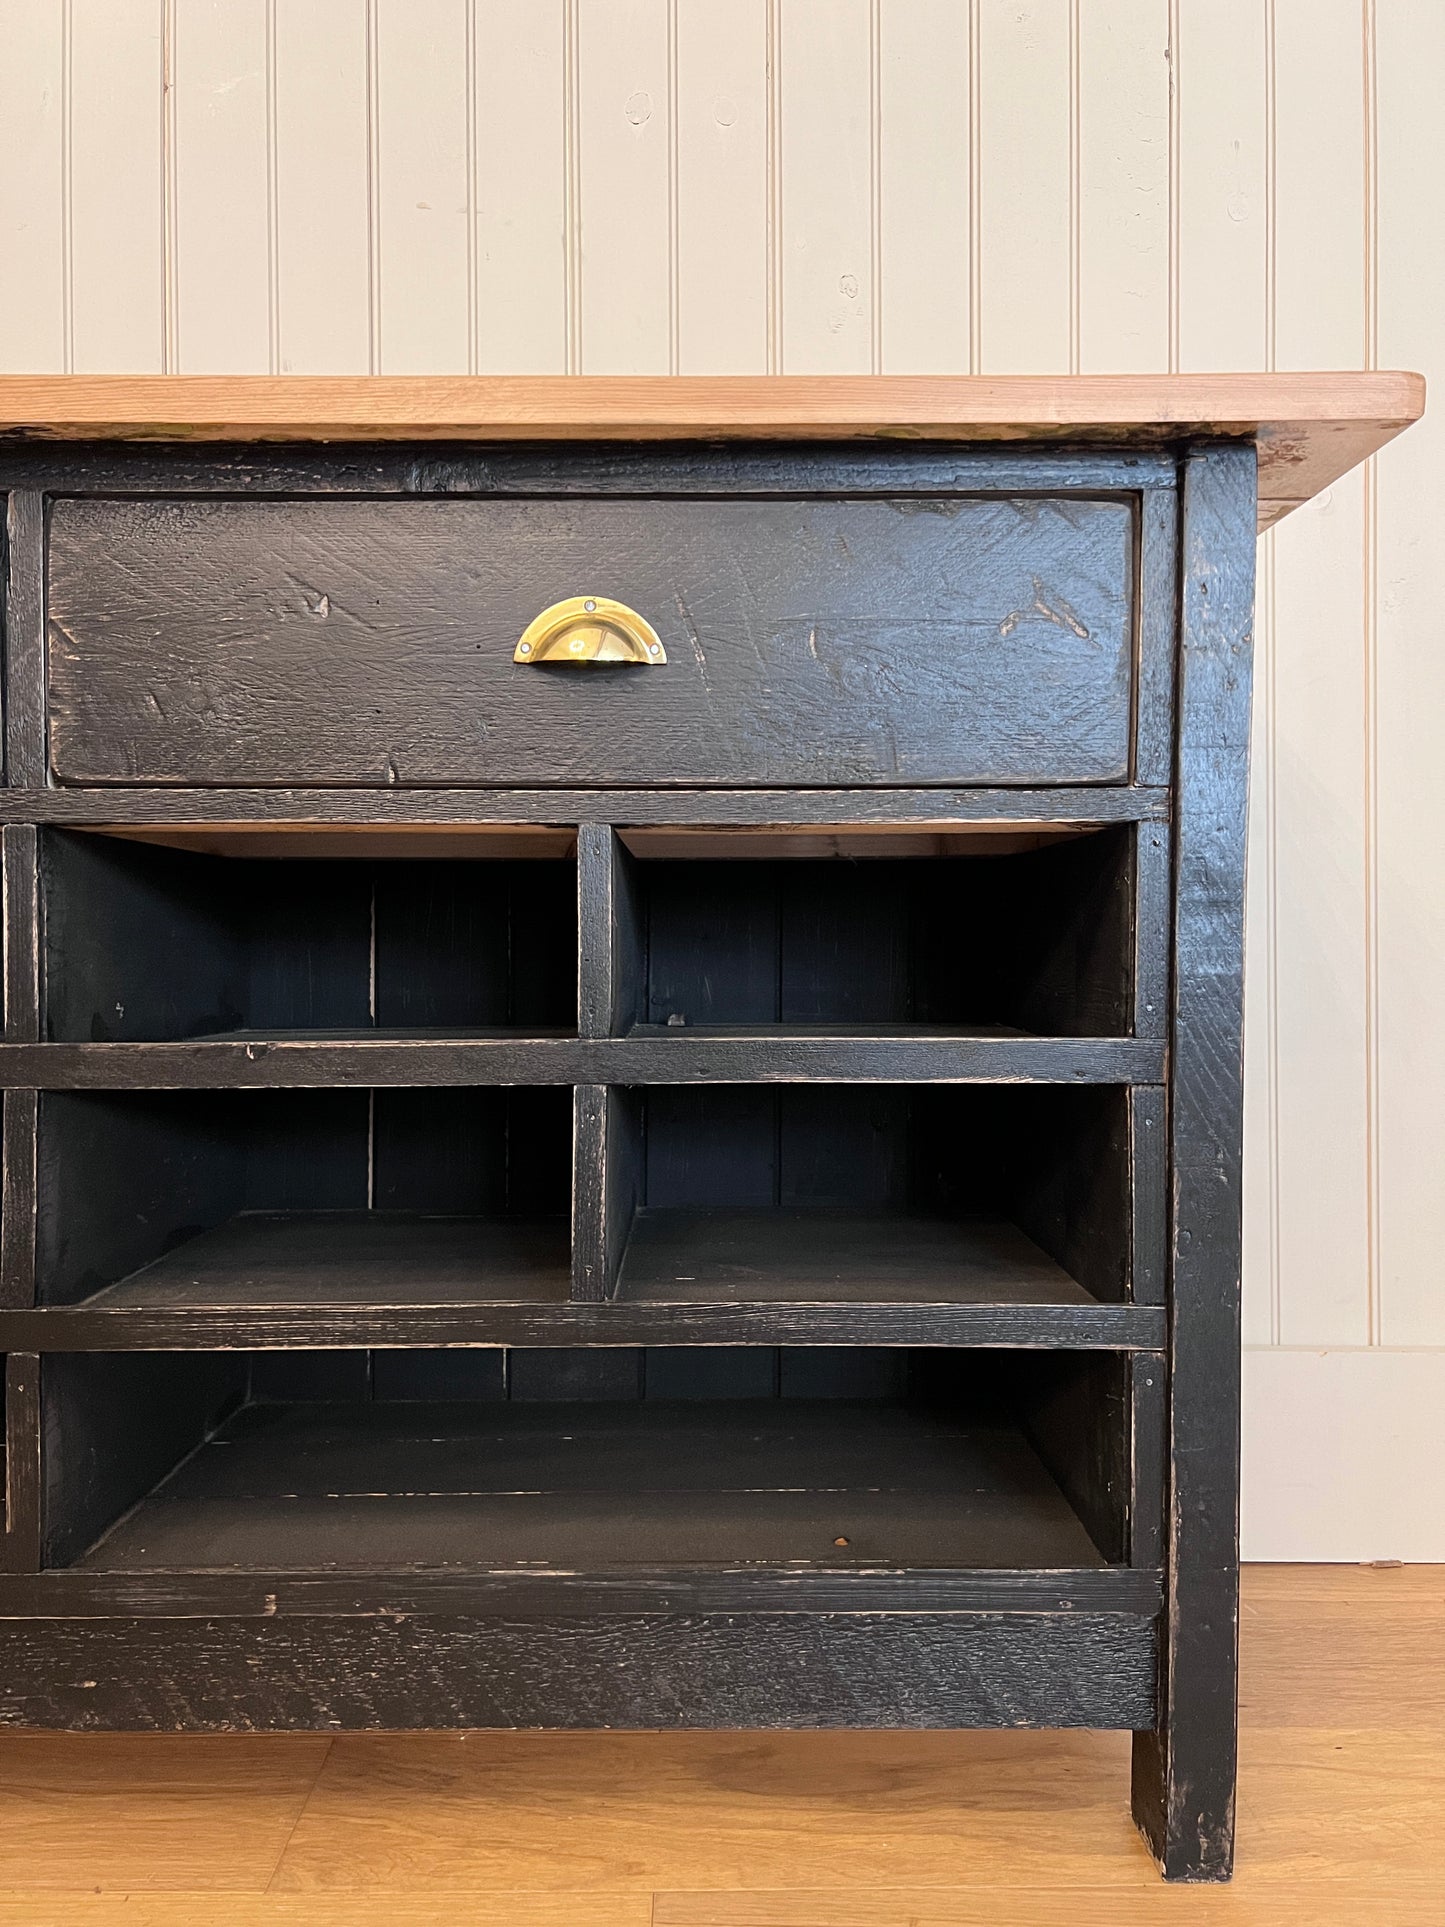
{"type": "Point", "coordinates": [702, 1194]}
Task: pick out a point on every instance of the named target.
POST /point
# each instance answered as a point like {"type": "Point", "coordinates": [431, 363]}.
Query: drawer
{"type": "Point", "coordinates": [903, 640]}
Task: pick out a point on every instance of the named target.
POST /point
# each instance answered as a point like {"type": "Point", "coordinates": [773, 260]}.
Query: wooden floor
{"type": "Point", "coordinates": [1342, 1811]}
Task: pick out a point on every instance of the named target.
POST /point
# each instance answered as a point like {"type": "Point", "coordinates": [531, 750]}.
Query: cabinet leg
{"type": "Point", "coordinates": [1186, 1817]}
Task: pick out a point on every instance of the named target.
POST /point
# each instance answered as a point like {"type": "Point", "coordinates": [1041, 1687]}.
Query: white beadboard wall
{"type": "Point", "coordinates": [898, 185]}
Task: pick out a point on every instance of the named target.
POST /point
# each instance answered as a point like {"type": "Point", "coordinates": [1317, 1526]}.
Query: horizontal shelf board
{"type": "Point", "coordinates": [671, 1056]}
{"type": "Point", "coordinates": [839, 1033]}
{"type": "Point", "coordinates": [374, 1037]}
{"type": "Point", "coordinates": [486, 1324]}
{"type": "Point", "coordinates": [841, 840]}
{"type": "Point", "coordinates": [270, 1595]}
{"type": "Point", "coordinates": [727, 1483]}
{"type": "Point", "coordinates": [935, 809]}
{"type": "Point", "coordinates": [353, 1258]}
{"type": "Point", "coordinates": [476, 842]}
{"type": "Point", "coordinates": [738, 1256]}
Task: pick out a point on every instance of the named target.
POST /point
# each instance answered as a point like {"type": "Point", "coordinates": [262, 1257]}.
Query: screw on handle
{"type": "Point", "coordinates": [589, 629]}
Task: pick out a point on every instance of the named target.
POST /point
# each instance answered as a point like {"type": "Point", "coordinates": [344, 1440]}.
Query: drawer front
{"type": "Point", "coordinates": [905, 641]}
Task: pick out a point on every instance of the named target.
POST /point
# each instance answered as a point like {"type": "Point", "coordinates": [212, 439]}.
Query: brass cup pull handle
{"type": "Point", "coordinates": [587, 629]}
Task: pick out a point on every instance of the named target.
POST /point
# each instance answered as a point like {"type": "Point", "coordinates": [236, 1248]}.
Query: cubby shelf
{"type": "Point", "coordinates": [381, 1279]}
{"type": "Point", "coordinates": [822, 1485]}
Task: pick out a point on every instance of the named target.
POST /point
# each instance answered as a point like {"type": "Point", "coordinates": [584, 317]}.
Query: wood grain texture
{"type": "Point", "coordinates": [272, 1060]}
{"type": "Point", "coordinates": [42, 1908]}
{"type": "Point", "coordinates": [20, 1547]}
{"type": "Point", "coordinates": [1312, 428]}
{"type": "Point", "coordinates": [610, 972]}
{"type": "Point", "coordinates": [343, 1258]}
{"type": "Point", "coordinates": [158, 1321]}
{"type": "Point", "coordinates": [24, 632]}
{"type": "Point", "coordinates": [82, 1594]}
{"type": "Point", "coordinates": [18, 1145]}
{"type": "Point", "coordinates": [1184, 1775]}
{"type": "Point", "coordinates": [604, 1187]}
{"type": "Point", "coordinates": [539, 1487]}
{"type": "Point", "coordinates": [22, 927]}
{"type": "Point", "coordinates": [932, 810]}
{"type": "Point", "coordinates": [768, 1671]}
{"type": "Point", "coordinates": [816, 643]}
{"type": "Point", "coordinates": [761, 1256]}
{"type": "Point", "coordinates": [763, 467]}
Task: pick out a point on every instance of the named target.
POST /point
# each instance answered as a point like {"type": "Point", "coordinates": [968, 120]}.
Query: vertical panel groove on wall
{"type": "Point", "coordinates": [473, 291]}
{"type": "Point", "coordinates": [1120, 240]}
{"type": "Point", "coordinates": [775, 187]}
{"type": "Point", "coordinates": [922, 138]}
{"type": "Point", "coordinates": [373, 191]}
{"type": "Point", "coordinates": [826, 153]}
{"type": "Point", "coordinates": [1375, 1313]}
{"type": "Point", "coordinates": [573, 200]}
{"type": "Point", "coordinates": [1025, 191]}
{"type": "Point", "coordinates": [624, 91]}
{"type": "Point", "coordinates": [720, 186]}
{"type": "Point", "coordinates": [674, 266]}
{"type": "Point", "coordinates": [1075, 187]}
{"type": "Point", "coordinates": [1172, 57]}
{"type": "Point", "coordinates": [975, 188]}
{"type": "Point", "coordinates": [875, 185]}
{"type": "Point", "coordinates": [170, 346]}
{"type": "Point", "coordinates": [273, 238]}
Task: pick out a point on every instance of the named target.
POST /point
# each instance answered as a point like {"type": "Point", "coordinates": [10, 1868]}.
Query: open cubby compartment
{"type": "Point", "coordinates": [1000, 929]}
{"type": "Point", "coordinates": [280, 1197]}
{"type": "Point", "coordinates": [340, 931]}
{"type": "Point", "coordinates": [830, 1460]}
{"type": "Point", "coordinates": [884, 1194]}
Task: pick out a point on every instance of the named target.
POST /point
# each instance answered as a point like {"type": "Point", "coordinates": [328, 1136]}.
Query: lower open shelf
{"type": "Point", "coordinates": [811, 1484]}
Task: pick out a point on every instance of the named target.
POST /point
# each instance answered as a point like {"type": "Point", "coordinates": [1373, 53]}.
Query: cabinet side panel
{"type": "Point", "coordinates": [1184, 1774]}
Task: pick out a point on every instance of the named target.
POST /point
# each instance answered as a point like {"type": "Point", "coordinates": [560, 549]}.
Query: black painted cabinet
{"type": "Point", "coordinates": [698, 1192]}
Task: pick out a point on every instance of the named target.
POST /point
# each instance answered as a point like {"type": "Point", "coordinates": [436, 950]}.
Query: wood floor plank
{"type": "Point", "coordinates": [203, 1908]}
{"type": "Point", "coordinates": [727, 1811]}
{"type": "Point", "coordinates": [122, 1811]}
{"type": "Point", "coordinates": [1318, 1904]}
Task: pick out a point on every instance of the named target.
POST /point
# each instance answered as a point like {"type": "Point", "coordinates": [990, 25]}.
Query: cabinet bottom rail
{"type": "Point", "coordinates": [776, 1671]}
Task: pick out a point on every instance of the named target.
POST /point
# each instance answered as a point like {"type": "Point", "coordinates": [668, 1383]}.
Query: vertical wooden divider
{"type": "Point", "coordinates": [610, 959]}
{"type": "Point", "coordinates": [607, 1125]}
{"type": "Point", "coordinates": [1148, 1455]}
{"type": "Point", "coordinates": [22, 1026]}
{"type": "Point", "coordinates": [1158, 619]}
{"type": "Point", "coordinates": [1148, 1194]}
{"type": "Point", "coordinates": [1153, 907]}
{"type": "Point", "coordinates": [25, 640]}
{"type": "Point", "coordinates": [20, 1542]}
{"type": "Point", "coordinates": [606, 1186]}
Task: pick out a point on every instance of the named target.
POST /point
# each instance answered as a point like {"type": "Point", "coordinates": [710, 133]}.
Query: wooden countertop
{"type": "Point", "coordinates": [1311, 428]}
